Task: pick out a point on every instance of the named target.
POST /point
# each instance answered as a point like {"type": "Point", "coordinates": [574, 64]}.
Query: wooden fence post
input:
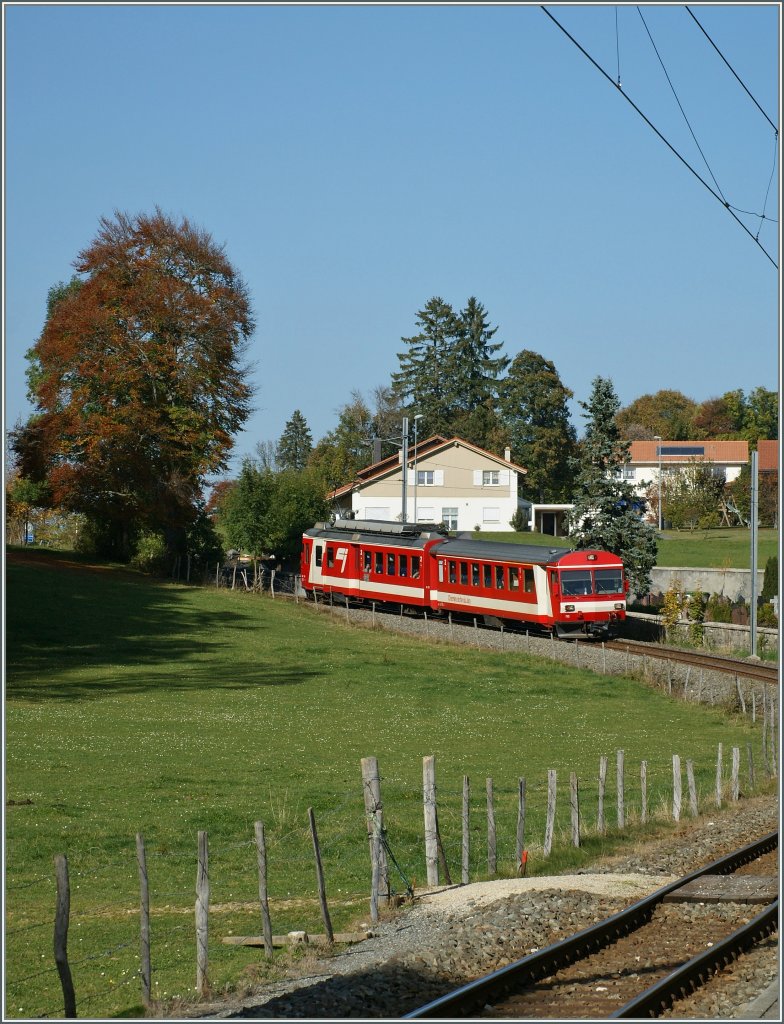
{"type": "Point", "coordinates": [520, 846]}
{"type": "Point", "coordinates": [550, 823]}
{"type": "Point", "coordinates": [692, 789]}
{"type": "Point", "coordinates": [574, 804]}
{"type": "Point", "coordinates": [643, 792]}
{"type": "Point", "coordinates": [202, 915]}
{"type": "Point", "coordinates": [601, 826]}
{"type": "Point", "coordinates": [261, 859]}
{"type": "Point", "coordinates": [466, 832]}
{"type": "Point", "coordinates": [619, 788]}
{"type": "Point", "coordinates": [374, 817]}
{"type": "Point", "coordinates": [765, 761]}
{"type": "Point", "coordinates": [431, 825]}
{"type": "Point", "coordinates": [676, 787]}
{"type": "Point", "coordinates": [735, 778]}
{"type": "Point", "coordinates": [62, 914]}
{"type": "Point", "coordinates": [742, 702]}
{"type": "Point", "coordinates": [144, 921]}
{"type": "Point", "coordinates": [718, 777]}
{"type": "Point", "coordinates": [492, 858]}
{"type": "Point", "coordinates": [322, 892]}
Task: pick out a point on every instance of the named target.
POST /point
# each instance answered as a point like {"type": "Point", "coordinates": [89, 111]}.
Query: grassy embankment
{"type": "Point", "coordinates": [134, 707]}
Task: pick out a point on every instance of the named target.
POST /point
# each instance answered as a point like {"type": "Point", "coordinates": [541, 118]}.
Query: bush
{"type": "Point", "coordinates": [719, 609]}
{"type": "Point", "coordinates": [767, 617]}
{"type": "Point", "coordinates": [151, 554]}
{"type": "Point", "coordinates": [770, 584]}
{"type": "Point", "coordinates": [695, 607]}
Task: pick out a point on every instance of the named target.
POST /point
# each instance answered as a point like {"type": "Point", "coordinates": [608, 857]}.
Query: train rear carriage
{"type": "Point", "coordinates": [369, 561]}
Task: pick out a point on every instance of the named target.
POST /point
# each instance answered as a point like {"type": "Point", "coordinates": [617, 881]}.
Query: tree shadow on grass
{"type": "Point", "coordinates": [127, 636]}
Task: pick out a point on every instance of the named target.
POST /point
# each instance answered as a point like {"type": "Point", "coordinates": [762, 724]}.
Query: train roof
{"type": "Point", "coordinates": [369, 530]}
{"type": "Point", "coordinates": [500, 551]}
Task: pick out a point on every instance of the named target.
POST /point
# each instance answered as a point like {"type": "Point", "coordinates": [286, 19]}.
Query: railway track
{"type": "Point", "coordinates": [709, 662]}
{"type": "Point", "coordinates": [636, 963]}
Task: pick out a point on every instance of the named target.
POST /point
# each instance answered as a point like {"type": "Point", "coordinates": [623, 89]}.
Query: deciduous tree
{"type": "Point", "coordinates": [666, 413]}
{"type": "Point", "coordinates": [138, 376]}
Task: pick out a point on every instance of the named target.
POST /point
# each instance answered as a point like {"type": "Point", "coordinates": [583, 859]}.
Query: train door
{"type": "Point", "coordinates": [315, 574]}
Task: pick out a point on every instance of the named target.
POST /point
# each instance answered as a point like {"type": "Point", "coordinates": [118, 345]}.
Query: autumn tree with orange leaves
{"type": "Point", "coordinates": [138, 378]}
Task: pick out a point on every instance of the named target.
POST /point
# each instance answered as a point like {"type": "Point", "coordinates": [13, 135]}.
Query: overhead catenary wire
{"type": "Point", "coordinates": [715, 47]}
{"type": "Point", "coordinates": [680, 106]}
{"type": "Point", "coordinates": [659, 134]}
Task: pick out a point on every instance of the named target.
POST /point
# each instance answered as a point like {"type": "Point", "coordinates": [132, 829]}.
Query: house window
{"type": "Point", "coordinates": [425, 515]}
{"type": "Point", "coordinates": [629, 472]}
{"type": "Point", "coordinates": [490, 477]}
{"type": "Point", "coordinates": [425, 477]}
{"type": "Point", "coordinates": [449, 518]}
{"type": "Point", "coordinates": [491, 515]}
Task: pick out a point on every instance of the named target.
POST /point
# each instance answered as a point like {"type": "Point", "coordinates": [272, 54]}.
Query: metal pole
{"type": "Point", "coordinates": [754, 518]}
{"type": "Point", "coordinates": [404, 512]}
{"type": "Point", "coordinates": [416, 432]}
{"type": "Point", "coordinates": [658, 452]}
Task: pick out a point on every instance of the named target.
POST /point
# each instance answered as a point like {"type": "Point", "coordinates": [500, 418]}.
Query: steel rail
{"type": "Point", "coordinates": [713, 663]}
{"type": "Point", "coordinates": [691, 975]}
{"type": "Point", "coordinates": [523, 973]}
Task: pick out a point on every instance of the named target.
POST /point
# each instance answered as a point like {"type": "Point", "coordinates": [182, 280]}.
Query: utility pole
{"type": "Point", "coordinates": [754, 517]}
{"type": "Point", "coordinates": [404, 515]}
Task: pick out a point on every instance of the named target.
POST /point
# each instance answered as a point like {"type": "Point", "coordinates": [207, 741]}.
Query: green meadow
{"type": "Point", "coordinates": [141, 707]}
{"type": "Point", "coordinates": [702, 549]}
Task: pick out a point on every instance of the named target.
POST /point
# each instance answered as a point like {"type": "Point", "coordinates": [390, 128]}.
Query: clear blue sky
{"type": "Point", "coordinates": [357, 160]}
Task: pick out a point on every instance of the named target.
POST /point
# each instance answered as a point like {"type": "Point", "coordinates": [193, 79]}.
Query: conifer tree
{"type": "Point", "coordinates": [539, 429]}
{"type": "Point", "coordinates": [296, 443]}
{"type": "Point", "coordinates": [606, 513]}
{"type": "Point", "coordinates": [423, 383]}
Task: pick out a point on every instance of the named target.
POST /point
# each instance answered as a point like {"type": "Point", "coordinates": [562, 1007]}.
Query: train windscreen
{"type": "Point", "coordinates": [582, 582]}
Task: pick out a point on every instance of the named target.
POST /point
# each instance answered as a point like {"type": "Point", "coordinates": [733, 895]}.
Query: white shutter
{"type": "Point", "coordinates": [477, 478]}
{"type": "Point", "coordinates": [503, 476]}
{"type": "Point", "coordinates": [410, 477]}
{"type": "Point", "coordinates": [438, 477]}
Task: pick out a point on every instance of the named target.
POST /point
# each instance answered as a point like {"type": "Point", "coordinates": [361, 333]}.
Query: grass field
{"type": "Point", "coordinates": [703, 549]}
{"type": "Point", "coordinates": [134, 706]}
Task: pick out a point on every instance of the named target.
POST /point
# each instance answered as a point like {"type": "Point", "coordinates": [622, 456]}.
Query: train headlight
{"type": "Point", "coordinates": [568, 607]}
{"type": "Point", "coordinates": [619, 605]}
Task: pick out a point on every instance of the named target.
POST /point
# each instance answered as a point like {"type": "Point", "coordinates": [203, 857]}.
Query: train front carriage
{"type": "Point", "coordinates": [587, 590]}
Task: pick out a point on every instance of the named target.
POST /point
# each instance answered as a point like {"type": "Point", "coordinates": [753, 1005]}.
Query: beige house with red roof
{"type": "Point", "coordinates": [447, 481]}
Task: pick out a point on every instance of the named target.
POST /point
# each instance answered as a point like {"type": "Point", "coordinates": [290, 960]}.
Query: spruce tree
{"type": "Point", "coordinates": [296, 443]}
{"type": "Point", "coordinates": [539, 429]}
{"type": "Point", "coordinates": [606, 513]}
{"type": "Point", "coordinates": [422, 384]}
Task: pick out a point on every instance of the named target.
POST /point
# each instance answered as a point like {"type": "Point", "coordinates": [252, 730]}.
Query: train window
{"type": "Point", "coordinates": [464, 573]}
{"type": "Point", "coordinates": [576, 582]}
{"type": "Point", "coordinates": [514, 577]}
{"type": "Point", "coordinates": [499, 577]}
{"type": "Point", "coordinates": [609, 581]}
{"type": "Point", "coordinates": [330, 556]}
{"type": "Point", "coordinates": [379, 560]}
{"type": "Point", "coordinates": [440, 570]}
{"type": "Point", "coordinates": [319, 554]}
{"type": "Point", "coordinates": [487, 571]}
{"type": "Point", "coordinates": [453, 572]}
{"type": "Point", "coordinates": [415, 566]}
{"type": "Point", "coordinates": [474, 574]}
{"type": "Point", "coordinates": [403, 566]}
{"type": "Point", "coordinates": [528, 581]}
{"type": "Point", "coordinates": [390, 565]}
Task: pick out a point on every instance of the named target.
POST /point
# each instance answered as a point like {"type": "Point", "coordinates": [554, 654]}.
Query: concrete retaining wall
{"type": "Point", "coordinates": [731, 583]}
{"type": "Point", "coordinates": [716, 635]}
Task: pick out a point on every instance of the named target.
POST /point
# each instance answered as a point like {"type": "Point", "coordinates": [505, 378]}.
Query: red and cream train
{"type": "Point", "coordinates": [570, 593]}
